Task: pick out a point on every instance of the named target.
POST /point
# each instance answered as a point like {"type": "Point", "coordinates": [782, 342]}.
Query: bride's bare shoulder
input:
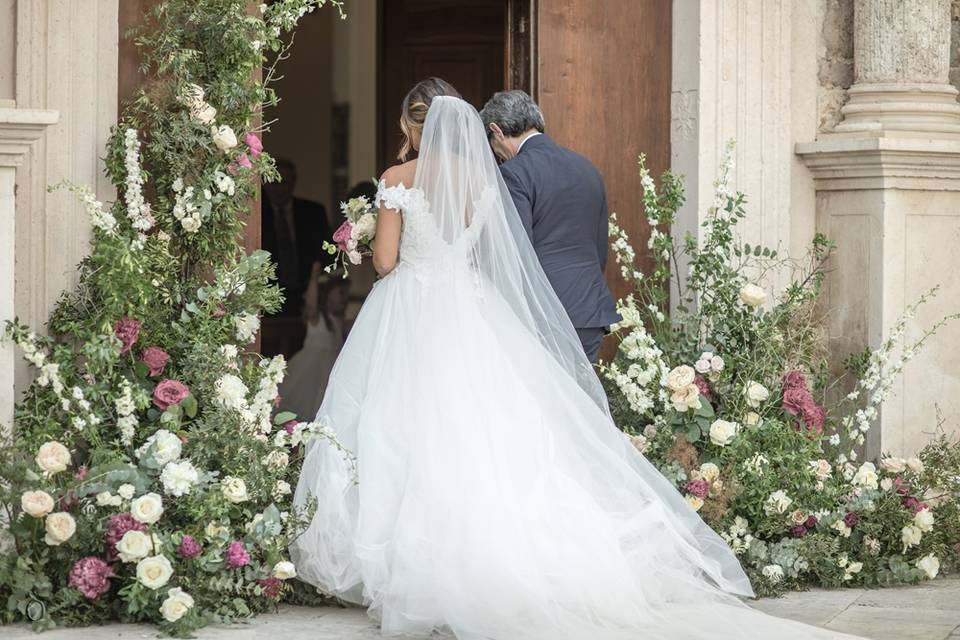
{"type": "Point", "coordinates": [400, 174]}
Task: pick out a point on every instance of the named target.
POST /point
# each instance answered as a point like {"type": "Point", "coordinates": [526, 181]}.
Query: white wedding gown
{"type": "Point", "coordinates": [495, 498]}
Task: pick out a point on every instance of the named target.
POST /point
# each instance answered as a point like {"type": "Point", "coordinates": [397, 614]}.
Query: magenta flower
{"type": "Point", "coordinates": [272, 587]}
{"type": "Point", "coordinates": [811, 522]}
{"type": "Point", "coordinates": [189, 548]}
{"type": "Point", "coordinates": [851, 519]}
{"type": "Point", "coordinates": [703, 385]}
{"type": "Point", "coordinates": [794, 379]}
{"type": "Point", "coordinates": [343, 235]}
{"type": "Point", "coordinates": [119, 524]}
{"type": "Point", "coordinates": [244, 161]}
{"type": "Point", "coordinates": [156, 360]}
{"type": "Point", "coordinates": [169, 392]}
{"type": "Point", "coordinates": [80, 474]}
{"type": "Point", "coordinates": [237, 555]}
{"type": "Point", "coordinates": [127, 331]}
{"type": "Point", "coordinates": [799, 531]}
{"type": "Point", "coordinates": [91, 577]}
{"type": "Point", "coordinates": [699, 488]}
{"type": "Point", "coordinates": [254, 143]}
{"type": "Point", "coordinates": [290, 425]}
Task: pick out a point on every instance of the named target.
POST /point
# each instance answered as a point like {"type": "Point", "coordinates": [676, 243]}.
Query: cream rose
{"type": "Point", "coordinates": [276, 459]}
{"type": "Point", "coordinates": [709, 471]}
{"type": "Point", "coordinates": [756, 394]}
{"type": "Point", "coordinates": [154, 571]}
{"type": "Point", "coordinates": [923, 520]}
{"type": "Point", "coordinates": [134, 546]}
{"type": "Point", "coordinates": [36, 503]}
{"type": "Point", "coordinates": [930, 565]}
{"type": "Point", "coordinates": [639, 443]}
{"type": "Point", "coordinates": [687, 398]}
{"type": "Point", "coordinates": [284, 570]}
{"type": "Point", "coordinates": [722, 432]}
{"type": "Point", "coordinates": [203, 112]}
{"type": "Point", "coordinates": [365, 227]}
{"type": "Point", "coordinates": [777, 502]}
{"type": "Point", "coordinates": [176, 605]}
{"type": "Point", "coordinates": [821, 468]}
{"type": "Point", "coordinates": [681, 377]}
{"type": "Point", "coordinates": [60, 527]}
{"type": "Point", "coordinates": [910, 536]}
{"type": "Point", "coordinates": [281, 488]}
{"type": "Point", "coordinates": [915, 464]}
{"type": "Point", "coordinates": [234, 489]}
{"type": "Point", "coordinates": [893, 464]}
{"type": "Point", "coordinates": [798, 517]}
{"type": "Point", "coordinates": [147, 508]}
{"type": "Point", "coordinates": [126, 491]}
{"type": "Point", "coordinates": [866, 476]}
{"type": "Point", "coordinates": [224, 137]}
{"type": "Point", "coordinates": [752, 295]}
{"type": "Point", "coordinates": [694, 502]}
{"type": "Point", "coordinates": [53, 457]}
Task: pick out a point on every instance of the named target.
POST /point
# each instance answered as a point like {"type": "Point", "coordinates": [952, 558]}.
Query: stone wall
{"type": "Point", "coordinates": [834, 60]}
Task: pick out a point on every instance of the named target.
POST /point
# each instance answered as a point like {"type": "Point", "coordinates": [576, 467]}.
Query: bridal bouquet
{"type": "Point", "coordinates": [354, 238]}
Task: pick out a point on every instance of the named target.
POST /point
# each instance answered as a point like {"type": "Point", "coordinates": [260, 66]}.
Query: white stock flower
{"type": "Point", "coordinates": [60, 527]}
{"type": "Point", "coordinates": [841, 527]}
{"type": "Point", "coordinates": [179, 477]}
{"type": "Point", "coordinates": [53, 457]}
{"type": "Point", "coordinates": [234, 489]}
{"type": "Point", "coordinates": [777, 502]}
{"type": "Point", "coordinates": [134, 546]}
{"type": "Point", "coordinates": [756, 394]}
{"type": "Point", "coordinates": [930, 565]}
{"type": "Point", "coordinates": [147, 508]}
{"type": "Point", "coordinates": [36, 504]}
{"type": "Point", "coordinates": [284, 570]}
{"type": "Point", "coordinates": [224, 137]}
{"type": "Point", "coordinates": [752, 295]}
{"type": "Point", "coordinates": [231, 392]}
{"type": "Point", "coordinates": [154, 571]}
{"type": "Point", "coordinates": [176, 605]}
{"type": "Point", "coordinates": [722, 432]}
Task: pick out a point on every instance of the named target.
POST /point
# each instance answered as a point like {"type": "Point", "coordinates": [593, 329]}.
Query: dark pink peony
{"type": "Point", "coordinates": [254, 143]}
{"type": "Point", "coordinates": [795, 399]}
{"type": "Point", "coordinates": [127, 331]}
{"type": "Point", "coordinates": [118, 525]}
{"type": "Point", "coordinates": [343, 234]}
{"type": "Point", "coordinates": [237, 555]}
{"type": "Point", "coordinates": [156, 360]}
{"type": "Point", "coordinates": [851, 519]}
{"type": "Point", "coordinates": [811, 522]}
{"type": "Point", "coordinates": [272, 587]}
{"type": "Point", "coordinates": [704, 386]}
{"type": "Point", "coordinates": [798, 531]}
{"type": "Point", "coordinates": [169, 392]}
{"type": "Point", "coordinates": [699, 488]}
{"type": "Point", "coordinates": [794, 379]}
{"type": "Point", "coordinates": [189, 548]}
{"type": "Point", "coordinates": [91, 577]}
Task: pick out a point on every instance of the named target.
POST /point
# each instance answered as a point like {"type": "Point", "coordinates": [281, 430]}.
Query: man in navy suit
{"type": "Point", "coordinates": [562, 203]}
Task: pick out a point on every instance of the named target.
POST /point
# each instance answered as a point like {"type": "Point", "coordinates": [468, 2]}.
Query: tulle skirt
{"type": "Point", "coordinates": [493, 498]}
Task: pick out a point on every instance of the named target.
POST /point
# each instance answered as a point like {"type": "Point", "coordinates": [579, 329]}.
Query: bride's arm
{"type": "Point", "coordinates": [386, 245]}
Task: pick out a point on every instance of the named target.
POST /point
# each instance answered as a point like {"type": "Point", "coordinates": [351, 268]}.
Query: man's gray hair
{"type": "Point", "coordinates": [513, 111]}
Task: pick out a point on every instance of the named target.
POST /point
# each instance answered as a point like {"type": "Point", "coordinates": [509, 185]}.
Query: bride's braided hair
{"type": "Point", "coordinates": [415, 105]}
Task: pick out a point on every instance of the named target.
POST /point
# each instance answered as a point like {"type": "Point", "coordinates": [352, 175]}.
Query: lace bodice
{"type": "Point", "coordinates": [421, 243]}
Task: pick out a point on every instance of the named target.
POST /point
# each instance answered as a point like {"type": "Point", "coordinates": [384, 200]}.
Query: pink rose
{"type": "Point", "coordinates": [253, 142]}
{"type": "Point", "coordinates": [794, 400]}
{"type": "Point", "coordinates": [156, 360]}
{"type": "Point", "coordinates": [343, 235]}
{"type": "Point", "coordinates": [169, 392]}
{"type": "Point", "coordinates": [127, 331]}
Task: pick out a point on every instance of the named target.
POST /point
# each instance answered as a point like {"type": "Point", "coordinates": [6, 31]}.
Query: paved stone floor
{"type": "Point", "coordinates": [930, 611]}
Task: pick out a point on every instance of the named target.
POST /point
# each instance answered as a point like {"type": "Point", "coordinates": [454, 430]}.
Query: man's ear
{"type": "Point", "coordinates": [496, 131]}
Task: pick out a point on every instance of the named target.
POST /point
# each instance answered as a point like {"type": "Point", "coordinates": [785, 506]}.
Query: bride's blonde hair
{"type": "Point", "coordinates": [414, 109]}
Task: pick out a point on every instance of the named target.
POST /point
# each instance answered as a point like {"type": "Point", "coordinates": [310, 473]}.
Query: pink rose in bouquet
{"type": "Point", "coordinates": [343, 236]}
{"type": "Point", "coordinates": [169, 392]}
{"type": "Point", "coordinates": [127, 331]}
{"type": "Point", "coordinates": [156, 360]}
{"type": "Point", "coordinates": [253, 143]}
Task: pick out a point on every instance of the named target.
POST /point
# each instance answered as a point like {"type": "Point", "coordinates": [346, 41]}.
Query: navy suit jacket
{"type": "Point", "coordinates": [562, 203]}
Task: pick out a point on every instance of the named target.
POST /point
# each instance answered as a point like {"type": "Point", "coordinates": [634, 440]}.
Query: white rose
{"type": "Point", "coordinates": [777, 502]}
{"type": "Point", "coordinates": [176, 605]}
{"type": "Point", "coordinates": [53, 457]}
{"type": "Point", "coordinates": [716, 363]}
{"type": "Point", "coordinates": [722, 432]}
{"type": "Point", "coordinates": [134, 546]}
{"type": "Point", "coordinates": [639, 443]}
{"type": "Point", "coordinates": [773, 572]}
{"type": "Point", "coordinates": [147, 508]}
{"type": "Point", "coordinates": [709, 471]}
{"type": "Point", "coordinates": [930, 565]}
{"type": "Point", "coordinates": [687, 398]}
{"type": "Point", "coordinates": [354, 256]}
{"type": "Point", "coordinates": [365, 228]}
{"type": "Point", "coordinates": [702, 366]}
{"type": "Point", "coordinates": [179, 477]}
{"type": "Point", "coordinates": [126, 491]}
{"type": "Point", "coordinates": [284, 570]}
{"type": "Point", "coordinates": [224, 137]}
{"type": "Point", "coordinates": [276, 459]}
{"type": "Point", "coordinates": [680, 378]}
{"type": "Point", "coordinates": [915, 465]}
{"type": "Point", "coordinates": [107, 499]}
{"type": "Point", "coordinates": [923, 520]}
{"type": "Point", "coordinates": [60, 527]}
{"type": "Point", "coordinates": [234, 489]}
{"type": "Point", "coordinates": [756, 394]}
{"type": "Point", "coordinates": [821, 468]}
{"type": "Point", "coordinates": [204, 112]}
{"type": "Point", "coordinates": [893, 464]}
{"type": "Point", "coordinates": [841, 527]}
{"type": "Point", "coordinates": [154, 571]}
{"type": "Point", "coordinates": [752, 295]}
{"type": "Point", "coordinates": [910, 536]}
{"type": "Point", "coordinates": [694, 502]}
{"type": "Point", "coordinates": [166, 447]}
{"type": "Point", "coordinates": [281, 488]}
{"type": "Point", "coordinates": [866, 476]}
{"type": "Point", "coordinates": [36, 503]}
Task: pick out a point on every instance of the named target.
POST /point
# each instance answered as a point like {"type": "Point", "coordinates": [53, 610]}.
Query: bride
{"type": "Point", "coordinates": [494, 496]}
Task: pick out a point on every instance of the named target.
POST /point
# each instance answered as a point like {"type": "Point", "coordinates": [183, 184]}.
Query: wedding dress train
{"type": "Point", "coordinates": [494, 496]}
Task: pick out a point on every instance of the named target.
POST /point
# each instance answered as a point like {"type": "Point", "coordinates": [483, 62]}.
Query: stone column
{"type": "Point", "coordinates": [902, 65]}
{"type": "Point", "coordinates": [888, 192]}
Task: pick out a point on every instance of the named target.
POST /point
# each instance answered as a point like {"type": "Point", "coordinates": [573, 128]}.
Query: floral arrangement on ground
{"type": "Point", "coordinates": [149, 479]}
{"type": "Point", "coordinates": [728, 396]}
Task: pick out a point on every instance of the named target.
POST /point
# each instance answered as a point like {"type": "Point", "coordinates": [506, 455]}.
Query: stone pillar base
{"type": "Point", "coordinates": [901, 107]}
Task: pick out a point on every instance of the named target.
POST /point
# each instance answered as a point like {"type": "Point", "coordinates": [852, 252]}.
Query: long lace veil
{"type": "Point", "coordinates": [472, 207]}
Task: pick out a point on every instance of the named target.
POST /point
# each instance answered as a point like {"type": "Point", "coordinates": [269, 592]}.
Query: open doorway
{"type": "Point", "coordinates": [335, 128]}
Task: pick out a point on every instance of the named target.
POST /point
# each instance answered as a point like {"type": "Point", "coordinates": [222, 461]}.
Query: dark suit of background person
{"type": "Point", "coordinates": [293, 231]}
{"type": "Point", "coordinates": [562, 203]}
